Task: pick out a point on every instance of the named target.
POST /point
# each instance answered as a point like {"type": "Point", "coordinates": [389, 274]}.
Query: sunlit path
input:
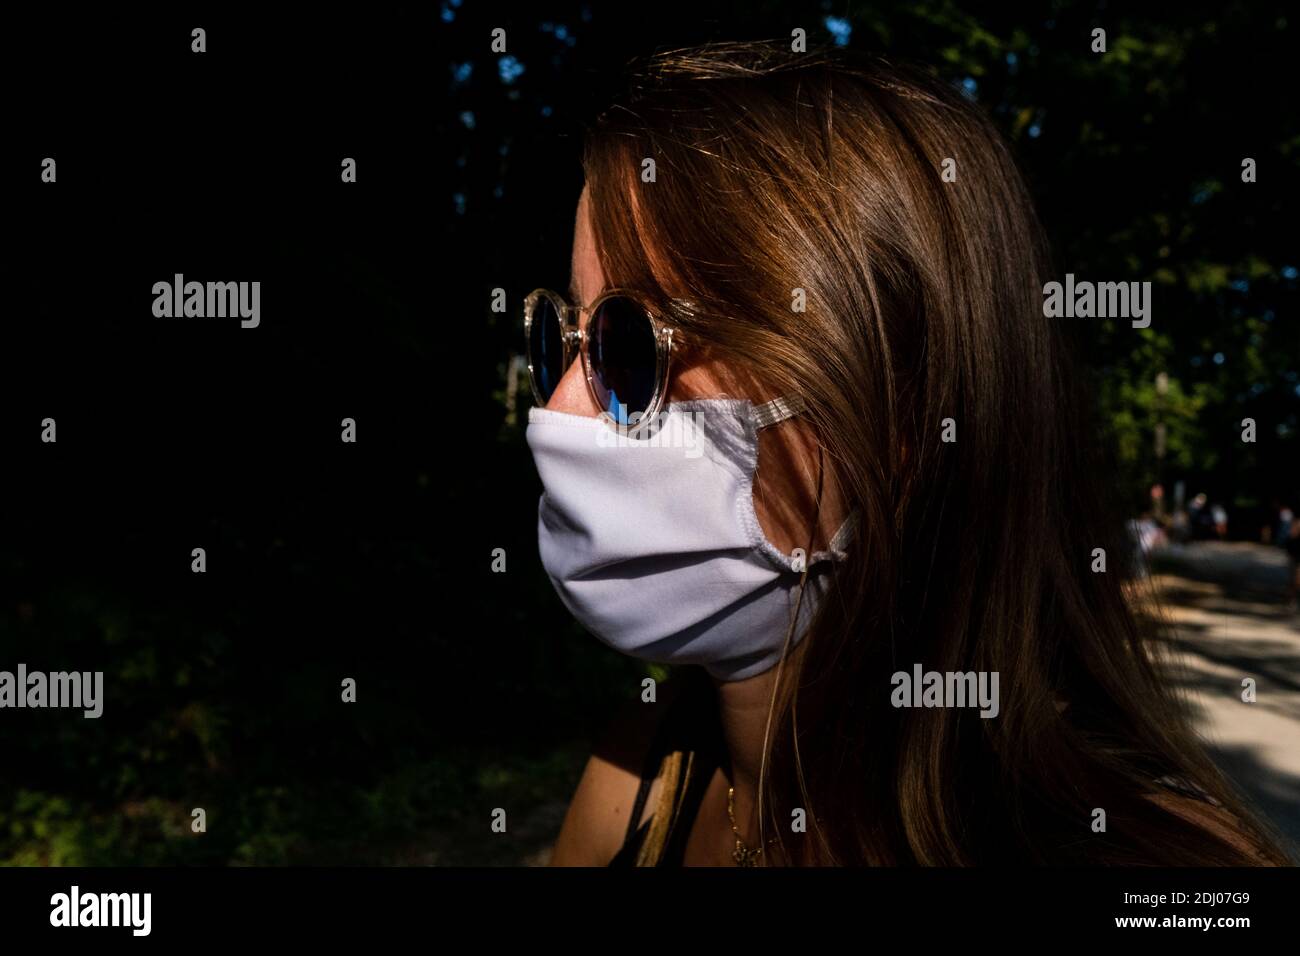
{"type": "Point", "coordinates": [1228, 602]}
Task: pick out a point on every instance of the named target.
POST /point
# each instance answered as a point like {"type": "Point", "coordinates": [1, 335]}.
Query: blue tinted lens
{"type": "Point", "coordinates": [623, 357]}
{"type": "Point", "coordinates": [546, 347]}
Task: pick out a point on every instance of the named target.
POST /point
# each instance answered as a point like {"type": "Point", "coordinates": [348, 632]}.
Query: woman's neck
{"type": "Point", "coordinates": [744, 710]}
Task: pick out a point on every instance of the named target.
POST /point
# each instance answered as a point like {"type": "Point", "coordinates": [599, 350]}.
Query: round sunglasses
{"type": "Point", "coordinates": [625, 348]}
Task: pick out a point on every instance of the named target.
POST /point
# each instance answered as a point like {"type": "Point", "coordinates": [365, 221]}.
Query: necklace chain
{"type": "Point", "coordinates": [743, 854]}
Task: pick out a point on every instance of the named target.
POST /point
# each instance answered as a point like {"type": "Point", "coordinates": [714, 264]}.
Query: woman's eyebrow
{"type": "Point", "coordinates": [574, 297]}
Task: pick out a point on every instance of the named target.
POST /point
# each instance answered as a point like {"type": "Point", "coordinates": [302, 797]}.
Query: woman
{"type": "Point", "coordinates": [807, 433]}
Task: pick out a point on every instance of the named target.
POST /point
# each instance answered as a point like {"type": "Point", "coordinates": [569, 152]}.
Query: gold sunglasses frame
{"type": "Point", "coordinates": [576, 342]}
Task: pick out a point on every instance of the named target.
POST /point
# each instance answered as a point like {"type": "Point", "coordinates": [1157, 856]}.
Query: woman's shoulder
{"type": "Point", "coordinates": [1212, 819]}
{"type": "Point", "coordinates": [620, 774]}
{"type": "Point", "coordinates": [1182, 797]}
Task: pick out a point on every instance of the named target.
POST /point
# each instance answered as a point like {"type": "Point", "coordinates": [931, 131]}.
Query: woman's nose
{"type": "Point", "coordinates": [572, 395]}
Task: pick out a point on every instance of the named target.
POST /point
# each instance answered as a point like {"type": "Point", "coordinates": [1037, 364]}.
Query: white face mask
{"type": "Point", "coordinates": [653, 543]}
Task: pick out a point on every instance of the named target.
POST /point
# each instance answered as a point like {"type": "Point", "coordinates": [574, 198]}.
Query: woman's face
{"type": "Point", "coordinates": [785, 490]}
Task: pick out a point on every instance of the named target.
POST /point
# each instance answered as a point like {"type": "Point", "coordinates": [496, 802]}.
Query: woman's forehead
{"type": "Point", "coordinates": [586, 277]}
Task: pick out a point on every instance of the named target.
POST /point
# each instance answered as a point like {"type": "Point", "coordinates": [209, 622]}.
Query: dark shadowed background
{"type": "Point", "coordinates": [373, 560]}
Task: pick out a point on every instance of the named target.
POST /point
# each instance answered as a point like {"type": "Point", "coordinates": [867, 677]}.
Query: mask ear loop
{"type": "Point", "coordinates": [771, 413]}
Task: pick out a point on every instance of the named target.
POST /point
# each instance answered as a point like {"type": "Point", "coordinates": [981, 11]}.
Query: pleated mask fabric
{"type": "Point", "coordinates": [653, 543]}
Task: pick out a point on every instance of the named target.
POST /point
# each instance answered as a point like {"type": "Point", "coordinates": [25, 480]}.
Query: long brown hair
{"type": "Point", "coordinates": [824, 172]}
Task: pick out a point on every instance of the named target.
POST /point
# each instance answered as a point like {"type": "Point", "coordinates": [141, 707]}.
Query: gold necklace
{"type": "Point", "coordinates": [742, 854]}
